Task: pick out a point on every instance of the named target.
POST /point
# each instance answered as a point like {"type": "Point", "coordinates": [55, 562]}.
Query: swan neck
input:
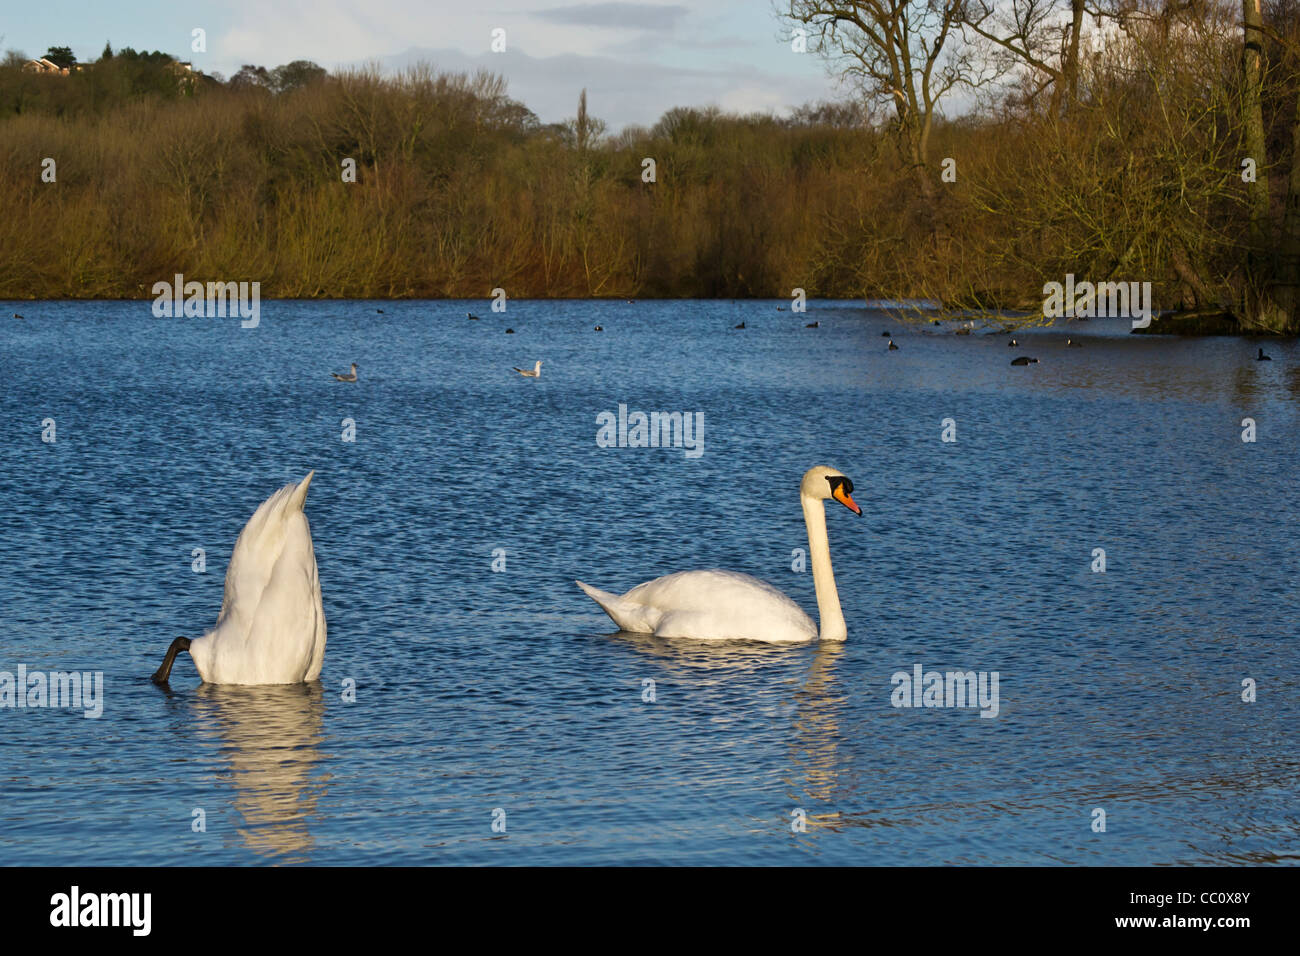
{"type": "Point", "coordinates": [830, 618]}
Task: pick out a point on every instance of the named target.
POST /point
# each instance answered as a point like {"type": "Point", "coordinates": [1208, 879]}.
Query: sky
{"type": "Point", "coordinates": [636, 59]}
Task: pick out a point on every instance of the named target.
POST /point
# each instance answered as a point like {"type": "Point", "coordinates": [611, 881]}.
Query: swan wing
{"type": "Point", "coordinates": [286, 638]}
{"type": "Point", "coordinates": [708, 605]}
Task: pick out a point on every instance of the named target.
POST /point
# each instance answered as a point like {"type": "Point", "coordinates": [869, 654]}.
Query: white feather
{"type": "Point", "coordinates": [271, 629]}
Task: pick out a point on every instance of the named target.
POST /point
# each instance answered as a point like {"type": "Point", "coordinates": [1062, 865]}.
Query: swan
{"type": "Point", "coordinates": [347, 376]}
{"type": "Point", "coordinates": [536, 371]}
{"type": "Point", "coordinates": [724, 605]}
{"type": "Point", "coordinates": [271, 629]}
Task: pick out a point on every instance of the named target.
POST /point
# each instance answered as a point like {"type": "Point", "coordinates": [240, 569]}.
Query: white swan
{"type": "Point", "coordinates": [724, 605]}
{"type": "Point", "coordinates": [347, 376]}
{"type": "Point", "coordinates": [271, 629]}
{"type": "Point", "coordinates": [535, 373]}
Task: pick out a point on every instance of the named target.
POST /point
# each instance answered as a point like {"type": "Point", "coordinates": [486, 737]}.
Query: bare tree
{"type": "Point", "coordinates": [902, 52]}
{"type": "Point", "coordinates": [1040, 34]}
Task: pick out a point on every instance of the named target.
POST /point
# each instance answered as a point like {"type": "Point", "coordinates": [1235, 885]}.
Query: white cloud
{"type": "Point", "coordinates": [635, 59]}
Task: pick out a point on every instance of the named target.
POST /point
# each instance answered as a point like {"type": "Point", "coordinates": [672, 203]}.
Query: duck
{"type": "Point", "coordinates": [1261, 357]}
{"type": "Point", "coordinates": [1024, 360]}
{"type": "Point", "coordinates": [347, 376]}
{"type": "Point", "coordinates": [1071, 344]}
{"type": "Point", "coordinates": [271, 629]}
{"type": "Point", "coordinates": [471, 316]}
{"type": "Point", "coordinates": [1012, 344]}
{"type": "Point", "coordinates": [717, 605]}
{"type": "Point", "coordinates": [740, 326]}
{"type": "Point", "coordinates": [892, 346]}
{"type": "Point", "coordinates": [534, 372]}
{"type": "Point", "coordinates": [510, 331]}
{"type": "Point", "coordinates": [600, 328]}
{"type": "Point", "coordinates": [813, 325]}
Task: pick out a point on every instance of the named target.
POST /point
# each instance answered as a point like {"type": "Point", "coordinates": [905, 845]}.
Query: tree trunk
{"type": "Point", "coordinates": [1259, 309]}
{"type": "Point", "coordinates": [1287, 266]}
{"type": "Point", "coordinates": [1071, 65]}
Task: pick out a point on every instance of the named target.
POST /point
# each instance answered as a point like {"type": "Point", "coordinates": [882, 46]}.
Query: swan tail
{"type": "Point", "coordinates": [298, 497]}
{"type": "Point", "coordinates": [628, 615]}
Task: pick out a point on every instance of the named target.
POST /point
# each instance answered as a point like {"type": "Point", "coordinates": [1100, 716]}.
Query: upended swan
{"type": "Point", "coordinates": [725, 605]}
{"type": "Point", "coordinates": [271, 629]}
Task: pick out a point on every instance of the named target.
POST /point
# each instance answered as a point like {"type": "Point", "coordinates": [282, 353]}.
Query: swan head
{"type": "Point", "coordinates": [823, 483]}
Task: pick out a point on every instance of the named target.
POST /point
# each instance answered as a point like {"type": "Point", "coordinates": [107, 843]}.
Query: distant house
{"type": "Point", "coordinates": [44, 66]}
{"type": "Point", "coordinates": [48, 67]}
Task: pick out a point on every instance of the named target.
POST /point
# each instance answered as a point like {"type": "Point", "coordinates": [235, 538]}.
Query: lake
{"type": "Point", "coordinates": [469, 686]}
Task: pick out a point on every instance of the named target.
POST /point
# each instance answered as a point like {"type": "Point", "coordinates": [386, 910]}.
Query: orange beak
{"type": "Point", "coordinates": [844, 498]}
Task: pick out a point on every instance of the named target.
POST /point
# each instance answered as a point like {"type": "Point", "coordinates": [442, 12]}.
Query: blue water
{"type": "Point", "coordinates": [479, 690]}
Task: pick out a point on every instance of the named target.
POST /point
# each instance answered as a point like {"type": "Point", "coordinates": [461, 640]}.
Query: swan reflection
{"type": "Point", "coordinates": [270, 739]}
{"type": "Point", "coordinates": [814, 743]}
{"type": "Point", "coordinates": [681, 655]}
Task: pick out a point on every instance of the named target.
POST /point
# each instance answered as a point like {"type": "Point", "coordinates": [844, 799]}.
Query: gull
{"type": "Point", "coordinates": [535, 373]}
{"type": "Point", "coordinates": [347, 376]}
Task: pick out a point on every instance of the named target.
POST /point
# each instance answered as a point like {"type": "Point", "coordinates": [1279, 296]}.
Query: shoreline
{"type": "Point", "coordinates": [1202, 323]}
